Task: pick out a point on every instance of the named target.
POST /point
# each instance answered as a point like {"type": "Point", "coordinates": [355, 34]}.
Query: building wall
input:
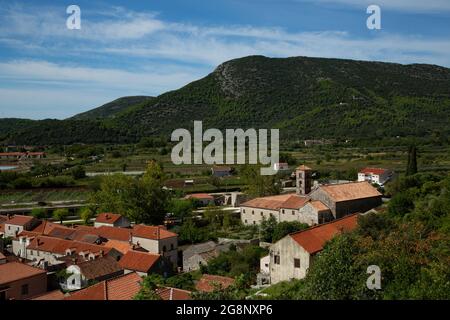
{"type": "Point", "coordinates": [288, 250]}
{"type": "Point", "coordinates": [250, 216]}
{"type": "Point", "coordinates": [264, 264]}
{"type": "Point", "coordinates": [155, 246]}
{"type": "Point", "coordinates": [37, 285]}
{"type": "Point", "coordinates": [321, 195]}
{"type": "Point", "coordinates": [193, 263]}
{"type": "Point", "coordinates": [360, 205]}
{"type": "Point", "coordinates": [289, 215]}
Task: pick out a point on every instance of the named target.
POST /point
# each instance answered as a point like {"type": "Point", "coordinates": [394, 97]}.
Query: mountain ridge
{"type": "Point", "coordinates": [303, 97]}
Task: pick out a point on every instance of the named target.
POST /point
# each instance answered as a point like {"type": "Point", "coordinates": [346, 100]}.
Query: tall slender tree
{"type": "Point", "coordinates": [411, 167]}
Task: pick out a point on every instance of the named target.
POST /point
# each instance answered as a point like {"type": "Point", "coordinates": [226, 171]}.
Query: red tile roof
{"type": "Point", "coordinates": [59, 246]}
{"type": "Point", "coordinates": [200, 196]}
{"type": "Point", "coordinates": [167, 293]}
{"type": "Point", "coordinates": [377, 171]}
{"type": "Point", "coordinates": [121, 246]}
{"type": "Point", "coordinates": [47, 227]}
{"type": "Point", "coordinates": [13, 271]}
{"type": "Point", "coordinates": [152, 232]}
{"type": "Point", "coordinates": [209, 283]}
{"type": "Point", "coordinates": [303, 168]}
{"type": "Point", "coordinates": [138, 261]}
{"type": "Point", "coordinates": [18, 220]}
{"type": "Point", "coordinates": [107, 217]}
{"type": "Point", "coordinates": [350, 191]}
{"type": "Point", "coordinates": [121, 288]}
{"type": "Point", "coordinates": [52, 295]}
{"type": "Point", "coordinates": [289, 201]}
{"type": "Point", "coordinates": [319, 205]}
{"type": "Point", "coordinates": [313, 239]}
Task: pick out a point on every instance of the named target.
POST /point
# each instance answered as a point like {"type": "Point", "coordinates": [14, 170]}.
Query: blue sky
{"type": "Point", "coordinates": [153, 46]}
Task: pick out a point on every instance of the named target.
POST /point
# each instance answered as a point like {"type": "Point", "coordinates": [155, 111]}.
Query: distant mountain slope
{"type": "Point", "coordinates": [304, 97]}
{"type": "Point", "coordinates": [111, 109]}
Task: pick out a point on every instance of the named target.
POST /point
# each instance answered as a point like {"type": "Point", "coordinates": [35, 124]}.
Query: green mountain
{"type": "Point", "coordinates": [111, 109]}
{"type": "Point", "coordinates": [304, 97]}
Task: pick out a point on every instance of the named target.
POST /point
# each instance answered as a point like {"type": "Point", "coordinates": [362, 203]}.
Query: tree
{"type": "Point", "coordinates": [267, 228]}
{"type": "Point", "coordinates": [181, 208]}
{"type": "Point", "coordinates": [38, 213]}
{"type": "Point", "coordinates": [86, 215]}
{"type": "Point", "coordinates": [258, 185]}
{"type": "Point", "coordinates": [411, 167]}
{"type": "Point", "coordinates": [60, 214]}
{"type": "Point", "coordinates": [78, 172]}
{"type": "Point", "coordinates": [148, 289]}
{"type": "Point", "coordinates": [284, 228]}
{"type": "Point", "coordinates": [400, 204]}
{"type": "Point", "coordinates": [141, 200]}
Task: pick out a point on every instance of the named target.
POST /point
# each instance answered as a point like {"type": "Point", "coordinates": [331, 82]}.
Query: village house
{"type": "Point", "coordinates": [83, 274]}
{"type": "Point", "coordinates": [156, 239]}
{"type": "Point", "coordinates": [197, 255]}
{"type": "Point", "coordinates": [16, 224]}
{"type": "Point", "coordinates": [111, 220]}
{"type": "Point", "coordinates": [47, 251]}
{"type": "Point", "coordinates": [312, 204]}
{"type": "Point", "coordinates": [144, 263]}
{"type": "Point", "coordinates": [291, 256]}
{"type": "Point", "coordinates": [375, 175]}
{"type": "Point", "coordinates": [203, 198]}
{"type": "Point", "coordinates": [19, 281]}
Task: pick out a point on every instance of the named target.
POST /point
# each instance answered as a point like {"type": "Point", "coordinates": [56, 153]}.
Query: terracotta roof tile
{"type": "Point", "coordinates": [373, 170]}
{"type": "Point", "coordinates": [108, 217]}
{"type": "Point", "coordinates": [319, 205]}
{"type": "Point", "coordinates": [313, 239]}
{"type": "Point", "coordinates": [52, 295]}
{"type": "Point", "coordinates": [167, 293]}
{"type": "Point", "coordinates": [56, 245]}
{"type": "Point", "coordinates": [121, 246]}
{"type": "Point", "coordinates": [289, 201]}
{"type": "Point", "coordinates": [13, 271]}
{"type": "Point", "coordinates": [139, 261]}
{"type": "Point", "coordinates": [199, 196]}
{"type": "Point", "coordinates": [303, 168]}
{"type": "Point", "coordinates": [121, 288]}
{"type": "Point", "coordinates": [18, 220]}
{"type": "Point", "coordinates": [350, 191]}
{"type": "Point", "coordinates": [152, 232]}
{"type": "Point", "coordinates": [209, 283]}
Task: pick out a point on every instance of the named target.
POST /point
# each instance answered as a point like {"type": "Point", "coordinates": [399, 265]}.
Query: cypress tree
{"type": "Point", "coordinates": [411, 167]}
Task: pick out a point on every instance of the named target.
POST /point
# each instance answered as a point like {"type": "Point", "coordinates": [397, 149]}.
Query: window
{"type": "Point", "coordinates": [24, 289]}
{"type": "Point", "coordinates": [261, 213]}
{"type": "Point", "coordinates": [171, 246]}
{"type": "Point", "coordinates": [164, 249]}
{"type": "Point", "coordinates": [293, 212]}
{"type": "Point", "coordinates": [296, 263]}
{"type": "Point", "coordinates": [254, 222]}
{"type": "Point", "coordinates": [245, 220]}
{"type": "Point", "coordinates": [276, 259]}
{"type": "Point", "coordinates": [253, 212]}
{"type": "Point", "coordinates": [282, 211]}
{"type": "Point", "coordinates": [243, 210]}
{"type": "Point", "coordinates": [9, 227]}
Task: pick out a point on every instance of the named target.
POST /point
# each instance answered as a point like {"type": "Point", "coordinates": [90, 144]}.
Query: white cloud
{"type": "Point", "coordinates": [401, 5]}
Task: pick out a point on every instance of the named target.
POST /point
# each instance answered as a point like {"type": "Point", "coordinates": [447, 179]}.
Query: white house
{"type": "Point", "coordinates": [375, 175]}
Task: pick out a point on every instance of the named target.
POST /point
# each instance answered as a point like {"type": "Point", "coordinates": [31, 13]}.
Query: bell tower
{"type": "Point", "coordinates": [303, 177]}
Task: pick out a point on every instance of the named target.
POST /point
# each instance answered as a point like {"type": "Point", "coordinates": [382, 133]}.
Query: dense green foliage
{"type": "Point", "coordinates": [304, 97]}
{"type": "Point", "coordinates": [111, 109]}
{"type": "Point", "coordinates": [142, 200]}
